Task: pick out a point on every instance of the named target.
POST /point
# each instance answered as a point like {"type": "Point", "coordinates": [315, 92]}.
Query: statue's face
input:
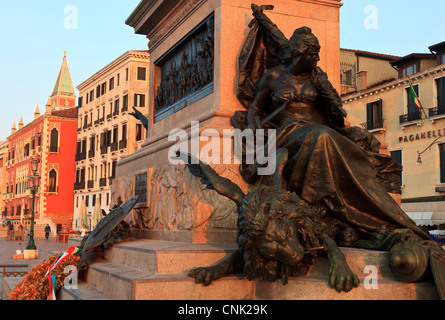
{"type": "Point", "coordinates": [280, 243]}
{"type": "Point", "coordinates": [310, 59]}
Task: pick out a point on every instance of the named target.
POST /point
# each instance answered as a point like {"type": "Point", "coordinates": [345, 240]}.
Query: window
{"type": "Point", "coordinates": [118, 79]}
{"type": "Point", "coordinates": [104, 88]}
{"type": "Point", "coordinates": [408, 70]}
{"type": "Point", "coordinates": [124, 131]}
{"type": "Point", "coordinates": [125, 103]}
{"type": "Point", "coordinates": [347, 78]}
{"type": "Point", "coordinates": [142, 73]}
{"type": "Point", "coordinates": [139, 100]}
{"type": "Point", "coordinates": [138, 132]}
{"type": "Point", "coordinates": [442, 58]}
{"type": "Point", "coordinates": [91, 95]}
{"type": "Point", "coordinates": [98, 91]}
{"type": "Point", "coordinates": [141, 187]}
{"type": "Point", "coordinates": [113, 169]}
{"type": "Point", "coordinates": [126, 74]}
{"type": "Point", "coordinates": [84, 147]}
{"type": "Point", "coordinates": [26, 150]}
{"type": "Point", "coordinates": [80, 102]}
{"type": "Point", "coordinates": [442, 162]}
{"type": "Point", "coordinates": [374, 117]}
{"type": "Point", "coordinates": [52, 183]}
{"type": "Point", "coordinates": [54, 143]}
{"type": "Point", "coordinates": [413, 110]}
{"type": "Point", "coordinates": [440, 84]}
{"type": "Point", "coordinates": [115, 134]}
{"type": "Point", "coordinates": [397, 155]}
{"type": "Point", "coordinates": [116, 107]}
{"type": "Point", "coordinates": [111, 84]}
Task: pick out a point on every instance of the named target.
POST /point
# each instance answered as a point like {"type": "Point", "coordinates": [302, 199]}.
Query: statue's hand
{"type": "Point", "coordinates": [341, 278]}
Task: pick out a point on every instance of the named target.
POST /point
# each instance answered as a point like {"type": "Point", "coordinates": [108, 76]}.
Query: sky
{"type": "Point", "coordinates": [34, 34]}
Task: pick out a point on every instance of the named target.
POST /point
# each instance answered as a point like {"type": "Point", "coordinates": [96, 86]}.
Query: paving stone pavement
{"type": "Point", "coordinates": [46, 249]}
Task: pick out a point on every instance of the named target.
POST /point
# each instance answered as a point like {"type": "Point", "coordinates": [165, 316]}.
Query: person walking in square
{"type": "Point", "coordinates": [47, 231]}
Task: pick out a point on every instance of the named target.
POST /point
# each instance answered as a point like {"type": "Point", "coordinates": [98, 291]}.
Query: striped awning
{"type": "Point", "coordinates": [427, 218]}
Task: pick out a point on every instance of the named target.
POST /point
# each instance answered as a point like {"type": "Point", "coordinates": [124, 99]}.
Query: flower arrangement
{"type": "Point", "coordinates": [35, 285]}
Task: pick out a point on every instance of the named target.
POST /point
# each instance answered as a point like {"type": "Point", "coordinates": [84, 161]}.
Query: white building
{"type": "Point", "coordinates": [106, 131]}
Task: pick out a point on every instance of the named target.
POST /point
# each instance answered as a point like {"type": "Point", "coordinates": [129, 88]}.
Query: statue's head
{"type": "Point", "coordinates": [304, 41]}
{"type": "Point", "coordinates": [303, 48]}
{"type": "Point", "coordinates": [274, 229]}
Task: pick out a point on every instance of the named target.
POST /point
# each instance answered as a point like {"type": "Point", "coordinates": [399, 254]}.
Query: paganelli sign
{"type": "Point", "coordinates": [423, 135]}
{"type": "Point", "coordinates": [186, 71]}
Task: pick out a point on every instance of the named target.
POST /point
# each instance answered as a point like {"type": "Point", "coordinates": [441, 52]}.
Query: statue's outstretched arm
{"type": "Point", "coordinates": [271, 27]}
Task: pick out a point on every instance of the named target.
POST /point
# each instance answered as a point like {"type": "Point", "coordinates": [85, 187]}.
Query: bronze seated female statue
{"type": "Point", "coordinates": [333, 175]}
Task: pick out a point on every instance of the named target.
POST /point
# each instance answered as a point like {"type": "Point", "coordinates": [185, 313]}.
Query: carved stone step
{"type": "Point", "coordinates": [83, 292]}
{"type": "Point", "coordinates": [157, 256]}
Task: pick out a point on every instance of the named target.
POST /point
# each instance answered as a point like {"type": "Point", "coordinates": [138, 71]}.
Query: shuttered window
{"type": "Point", "coordinates": [374, 115]}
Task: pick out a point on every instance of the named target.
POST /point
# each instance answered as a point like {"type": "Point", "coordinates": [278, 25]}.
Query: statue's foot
{"type": "Point", "coordinates": [205, 275]}
{"type": "Point", "coordinates": [341, 278]}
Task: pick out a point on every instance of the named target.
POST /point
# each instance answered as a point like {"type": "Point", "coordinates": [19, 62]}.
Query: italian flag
{"type": "Point", "coordinates": [415, 97]}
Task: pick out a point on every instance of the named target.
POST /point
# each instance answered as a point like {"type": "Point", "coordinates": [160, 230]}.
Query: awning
{"type": "Point", "coordinates": [427, 218]}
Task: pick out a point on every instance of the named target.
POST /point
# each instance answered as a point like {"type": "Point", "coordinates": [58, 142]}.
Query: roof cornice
{"type": "Point", "coordinates": [132, 54]}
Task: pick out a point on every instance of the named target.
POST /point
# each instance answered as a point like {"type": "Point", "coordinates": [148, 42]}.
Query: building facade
{"type": "Point", "coordinates": [51, 139]}
{"type": "Point", "coordinates": [106, 131]}
{"type": "Point", "coordinates": [3, 159]}
{"type": "Point", "coordinates": [360, 70]}
{"type": "Point", "coordinates": [414, 133]}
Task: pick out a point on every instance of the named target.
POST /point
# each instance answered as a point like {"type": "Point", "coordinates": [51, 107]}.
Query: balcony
{"type": "Point", "coordinates": [114, 146]}
{"type": "Point", "coordinates": [410, 117]}
{"type": "Point", "coordinates": [116, 112]}
{"type": "Point", "coordinates": [122, 144]}
{"type": "Point", "coordinates": [103, 182]}
{"type": "Point", "coordinates": [79, 185]}
{"type": "Point", "coordinates": [91, 153]}
{"type": "Point", "coordinates": [81, 156]}
{"type": "Point", "coordinates": [90, 184]}
{"type": "Point", "coordinates": [437, 112]}
{"type": "Point", "coordinates": [124, 109]}
{"type": "Point", "coordinates": [104, 150]}
{"type": "Point", "coordinates": [109, 116]}
{"type": "Point", "coordinates": [373, 124]}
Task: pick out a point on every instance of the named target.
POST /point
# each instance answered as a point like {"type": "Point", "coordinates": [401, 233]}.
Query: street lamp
{"type": "Point", "coordinates": [419, 154]}
{"type": "Point", "coordinates": [33, 185]}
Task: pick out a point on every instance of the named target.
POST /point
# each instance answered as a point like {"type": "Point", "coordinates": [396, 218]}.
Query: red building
{"type": "Point", "coordinates": [50, 138]}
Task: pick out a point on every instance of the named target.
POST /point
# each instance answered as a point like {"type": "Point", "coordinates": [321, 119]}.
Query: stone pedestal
{"type": "Point", "coordinates": [31, 254]}
{"type": "Point", "coordinates": [157, 270]}
{"type": "Point", "coordinates": [177, 205]}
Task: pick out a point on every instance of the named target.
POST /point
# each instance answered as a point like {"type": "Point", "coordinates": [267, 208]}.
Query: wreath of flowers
{"type": "Point", "coordinates": [35, 285]}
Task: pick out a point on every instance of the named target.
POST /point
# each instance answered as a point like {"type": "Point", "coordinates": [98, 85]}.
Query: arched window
{"type": "Point", "coordinates": [54, 143]}
{"type": "Point", "coordinates": [52, 183]}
